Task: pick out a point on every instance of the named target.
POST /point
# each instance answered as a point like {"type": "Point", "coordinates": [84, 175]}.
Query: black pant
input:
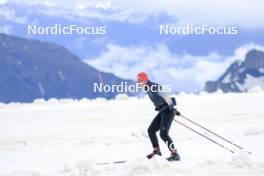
{"type": "Point", "coordinates": [161, 122]}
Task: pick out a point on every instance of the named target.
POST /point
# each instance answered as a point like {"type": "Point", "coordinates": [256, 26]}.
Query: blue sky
{"type": "Point", "coordinates": [133, 43]}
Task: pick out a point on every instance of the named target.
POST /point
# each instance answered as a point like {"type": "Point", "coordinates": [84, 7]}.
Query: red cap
{"type": "Point", "coordinates": [142, 76]}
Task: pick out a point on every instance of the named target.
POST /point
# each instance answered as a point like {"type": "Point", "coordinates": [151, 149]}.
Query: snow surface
{"type": "Point", "coordinates": [252, 81]}
{"type": "Point", "coordinates": [261, 70]}
{"type": "Point", "coordinates": [41, 89]}
{"type": "Point", "coordinates": [61, 75]}
{"type": "Point", "coordinates": [68, 137]}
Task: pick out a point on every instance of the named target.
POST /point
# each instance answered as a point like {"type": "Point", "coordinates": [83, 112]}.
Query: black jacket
{"type": "Point", "coordinates": [159, 98]}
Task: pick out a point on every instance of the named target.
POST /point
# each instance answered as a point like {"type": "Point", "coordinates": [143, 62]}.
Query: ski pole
{"type": "Point", "coordinates": [241, 148]}
{"type": "Point", "coordinates": [222, 146]}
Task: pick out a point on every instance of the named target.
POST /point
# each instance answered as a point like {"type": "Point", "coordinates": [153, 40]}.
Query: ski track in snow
{"type": "Point", "coordinates": [68, 137]}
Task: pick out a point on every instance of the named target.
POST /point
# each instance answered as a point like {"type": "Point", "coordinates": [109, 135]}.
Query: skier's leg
{"type": "Point", "coordinates": [152, 129]}
{"type": "Point", "coordinates": [165, 124]}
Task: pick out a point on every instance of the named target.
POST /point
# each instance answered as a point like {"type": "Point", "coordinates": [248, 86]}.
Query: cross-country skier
{"type": "Point", "coordinates": [162, 121]}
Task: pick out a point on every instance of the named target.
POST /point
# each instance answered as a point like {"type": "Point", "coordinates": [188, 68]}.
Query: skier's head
{"type": "Point", "coordinates": [142, 77]}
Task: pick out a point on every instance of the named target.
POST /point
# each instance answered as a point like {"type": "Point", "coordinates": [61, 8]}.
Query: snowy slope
{"type": "Point", "coordinates": [67, 137]}
{"type": "Point", "coordinates": [31, 69]}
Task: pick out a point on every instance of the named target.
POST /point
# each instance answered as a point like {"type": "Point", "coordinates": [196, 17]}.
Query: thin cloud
{"type": "Point", "coordinates": [247, 14]}
{"type": "Point", "coordinates": [184, 72]}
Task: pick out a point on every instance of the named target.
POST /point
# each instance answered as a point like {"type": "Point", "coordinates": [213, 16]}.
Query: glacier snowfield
{"type": "Point", "coordinates": [69, 137]}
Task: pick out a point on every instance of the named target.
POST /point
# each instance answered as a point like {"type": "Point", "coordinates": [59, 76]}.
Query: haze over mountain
{"type": "Point", "coordinates": [133, 41]}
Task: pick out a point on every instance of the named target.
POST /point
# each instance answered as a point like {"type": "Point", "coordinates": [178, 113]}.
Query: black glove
{"type": "Point", "coordinates": [177, 113]}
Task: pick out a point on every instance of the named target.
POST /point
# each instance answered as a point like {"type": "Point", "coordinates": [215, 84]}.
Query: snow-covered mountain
{"type": "Point", "coordinates": [31, 69]}
{"type": "Point", "coordinates": [241, 75]}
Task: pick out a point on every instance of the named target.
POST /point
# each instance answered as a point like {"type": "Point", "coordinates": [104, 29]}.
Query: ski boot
{"type": "Point", "coordinates": [174, 156]}
{"type": "Point", "coordinates": [155, 152]}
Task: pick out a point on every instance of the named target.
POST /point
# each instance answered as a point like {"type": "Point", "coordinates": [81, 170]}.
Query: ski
{"type": "Point", "coordinates": [113, 162]}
